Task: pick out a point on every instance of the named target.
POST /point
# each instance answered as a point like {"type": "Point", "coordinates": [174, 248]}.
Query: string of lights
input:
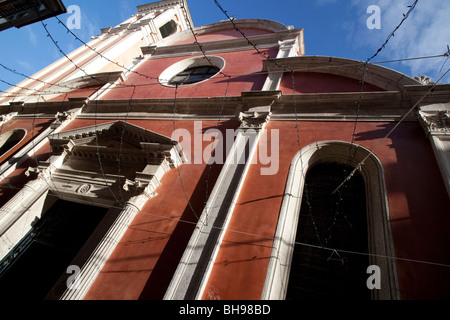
{"type": "Point", "coordinates": [358, 103]}
{"type": "Point", "coordinates": [382, 141]}
{"type": "Point", "coordinates": [363, 82]}
{"type": "Point", "coordinates": [297, 126]}
{"type": "Point", "coordinates": [260, 236]}
{"type": "Point", "coordinates": [35, 79]}
{"type": "Point", "coordinates": [229, 77]}
{"type": "Point", "coordinates": [178, 167]}
{"type": "Point", "coordinates": [392, 34]}
{"type": "Point", "coordinates": [122, 85]}
{"type": "Point", "coordinates": [130, 70]}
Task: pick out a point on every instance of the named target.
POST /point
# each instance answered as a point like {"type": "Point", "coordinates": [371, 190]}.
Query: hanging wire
{"type": "Point", "coordinates": [392, 34]}
{"type": "Point", "coordinates": [208, 176]}
{"type": "Point", "coordinates": [123, 85]}
{"type": "Point", "coordinates": [322, 247]}
{"type": "Point", "coordinates": [178, 167]}
{"type": "Point", "coordinates": [121, 144]}
{"type": "Point", "coordinates": [372, 152]}
{"type": "Point", "coordinates": [67, 57]}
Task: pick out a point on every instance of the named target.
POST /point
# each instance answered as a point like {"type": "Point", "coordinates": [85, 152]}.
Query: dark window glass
{"type": "Point", "coordinates": [35, 264]}
{"type": "Point", "coordinates": [10, 139]}
{"type": "Point", "coordinates": [168, 29]}
{"type": "Point", "coordinates": [327, 222]}
{"type": "Point", "coordinates": [193, 75]}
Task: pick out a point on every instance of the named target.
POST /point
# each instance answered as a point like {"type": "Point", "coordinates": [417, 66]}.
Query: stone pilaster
{"type": "Point", "coordinates": [435, 120]}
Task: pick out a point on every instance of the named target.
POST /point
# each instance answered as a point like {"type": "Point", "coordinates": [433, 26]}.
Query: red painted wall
{"type": "Point", "coordinates": [142, 265]}
{"type": "Point", "coordinates": [33, 128]}
{"type": "Point", "coordinates": [314, 82]}
{"type": "Point", "coordinates": [418, 205]}
{"type": "Point", "coordinates": [243, 66]}
{"type": "Point", "coordinates": [78, 93]}
{"type": "Point", "coordinates": [12, 183]}
{"type": "Point", "coordinates": [225, 35]}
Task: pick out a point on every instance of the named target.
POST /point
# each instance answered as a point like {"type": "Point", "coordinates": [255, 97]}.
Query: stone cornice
{"type": "Point", "coordinates": [146, 8]}
{"type": "Point", "coordinates": [238, 44]}
{"type": "Point", "coordinates": [382, 105]}
{"type": "Point", "coordinates": [92, 80]}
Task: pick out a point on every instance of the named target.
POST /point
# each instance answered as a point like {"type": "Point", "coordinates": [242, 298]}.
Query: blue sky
{"type": "Point", "coordinates": [332, 28]}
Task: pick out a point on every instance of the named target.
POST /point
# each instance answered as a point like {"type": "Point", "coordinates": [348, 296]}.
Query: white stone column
{"type": "Point", "coordinates": [15, 208]}
{"type": "Point", "coordinates": [288, 48]}
{"type": "Point", "coordinates": [196, 264]}
{"type": "Point", "coordinates": [435, 120]}
{"type": "Point", "coordinates": [93, 266]}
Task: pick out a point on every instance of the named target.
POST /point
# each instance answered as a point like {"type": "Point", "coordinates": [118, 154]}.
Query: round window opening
{"type": "Point", "coordinates": [191, 71]}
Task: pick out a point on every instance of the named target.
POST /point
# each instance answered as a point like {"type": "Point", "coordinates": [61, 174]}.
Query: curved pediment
{"type": "Point", "coordinates": [382, 77]}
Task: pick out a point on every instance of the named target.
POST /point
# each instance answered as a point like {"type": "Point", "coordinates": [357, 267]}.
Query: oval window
{"type": "Point", "coordinates": [190, 71]}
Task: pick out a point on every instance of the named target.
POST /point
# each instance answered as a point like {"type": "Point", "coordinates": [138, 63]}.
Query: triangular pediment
{"type": "Point", "coordinates": [112, 141]}
{"type": "Point", "coordinates": [110, 162]}
{"type": "Point", "coordinates": [115, 144]}
{"type": "Point", "coordinates": [107, 134]}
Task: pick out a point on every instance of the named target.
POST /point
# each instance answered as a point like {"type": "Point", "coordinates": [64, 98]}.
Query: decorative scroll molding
{"type": "Point", "coordinates": [4, 118]}
{"type": "Point", "coordinates": [435, 122]}
{"type": "Point", "coordinates": [157, 153]}
{"type": "Point", "coordinates": [93, 154]}
{"type": "Point", "coordinates": [424, 80]}
{"type": "Point", "coordinates": [253, 120]}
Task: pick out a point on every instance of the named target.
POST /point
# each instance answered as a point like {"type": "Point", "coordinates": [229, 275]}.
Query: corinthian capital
{"type": "Point", "coordinates": [253, 120]}
{"type": "Point", "coordinates": [435, 121]}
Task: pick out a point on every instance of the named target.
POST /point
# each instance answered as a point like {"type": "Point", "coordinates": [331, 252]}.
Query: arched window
{"type": "Point", "coordinates": [379, 239]}
{"type": "Point", "coordinates": [330, 220]}
{"type": "Point", "coordinates": [10, 139]}
{"type": "Point", "coordinates": [168, 29]}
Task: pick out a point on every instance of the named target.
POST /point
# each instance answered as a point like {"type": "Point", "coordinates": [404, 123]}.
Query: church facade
{"type": "Point", "coordinates": [166, 161]}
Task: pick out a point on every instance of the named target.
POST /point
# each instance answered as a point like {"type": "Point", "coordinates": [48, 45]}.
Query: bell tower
{"type": "Point", "coordinates": [156, 21]}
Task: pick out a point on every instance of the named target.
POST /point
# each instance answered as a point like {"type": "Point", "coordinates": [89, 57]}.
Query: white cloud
{"type": "Point", "coordinates": [32, 36]}
{"type": "Point", "coordinates": [424, 33]}
{"type": "Point", "coordinates": [25, 64]}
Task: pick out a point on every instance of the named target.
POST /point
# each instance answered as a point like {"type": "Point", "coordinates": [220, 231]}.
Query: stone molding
{"type": "Point", "coordinates": [154, 152]}
{"type": "Point", "coordinates": [4, 118]}
{"type": "Point", "coordinates": [379, 76]}
{"type": "Point", "coordinates": [158, 50]}
{"type": "Point", "coordinates": [379, 231]}
{"type": "Point", "coordinates": [253, 120]}
{"type": "Point", "coordinates": [435, 120]}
